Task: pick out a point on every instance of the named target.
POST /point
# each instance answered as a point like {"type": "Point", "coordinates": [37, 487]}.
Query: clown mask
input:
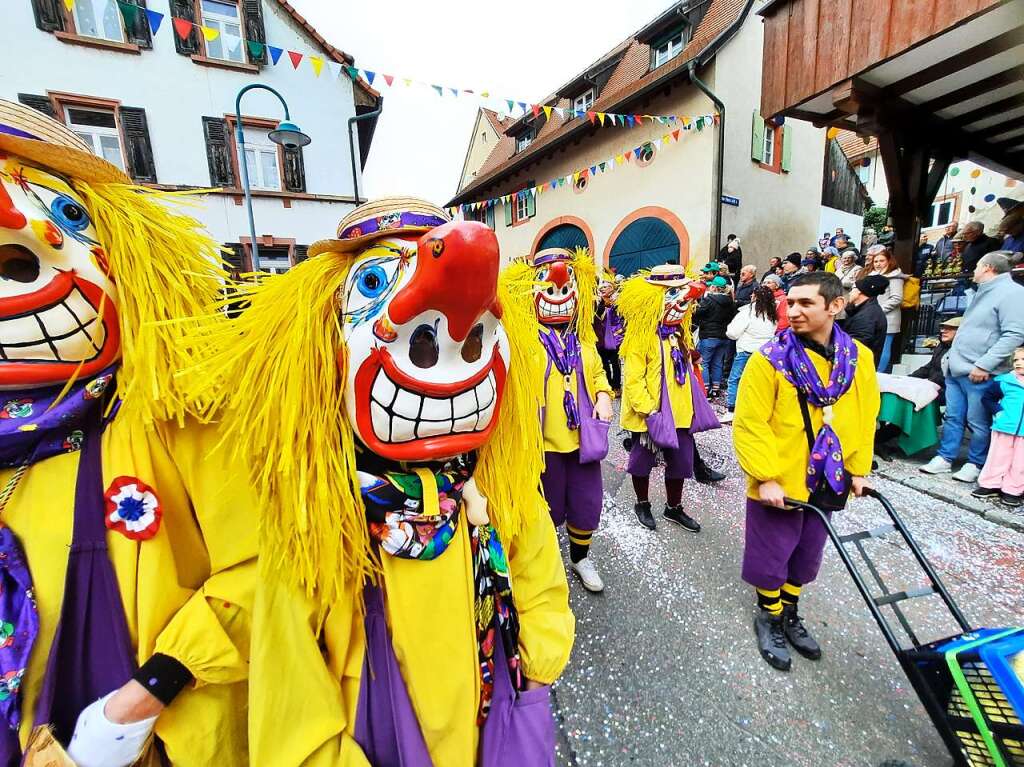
{"type": "Point", "coordinates": [427, 354]}
{"type": "Point", "coordinates": [555, 294]}
{"type": "Point", "coordinates": [677, 301]}
{"type": "Point", "coordinates": [57, 303]}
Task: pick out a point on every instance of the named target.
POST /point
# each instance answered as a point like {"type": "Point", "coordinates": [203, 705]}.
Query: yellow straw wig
{"type": "Point", "coordinates": [586, 292]}
{"type": "Point", "coordinates": [642, 306]}
{"type": "Point", "coordinates": [166, 268]}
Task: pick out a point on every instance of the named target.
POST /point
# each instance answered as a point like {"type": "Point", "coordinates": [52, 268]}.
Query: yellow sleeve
{"type": "Point", "coordinates": [298, 714]}
{"type": "Point", "coordinates": [547, 626]}
{"type": "Point", "coordinates": [640, 399]}
{"type": "Point", "coordinates": [752, 436]}
{"type": "Point", "coordinates": [858, 460]}
{"type": "Point", "coordinates": [210, 634]}
{"type": "Point", "coordinates": [597, 381]}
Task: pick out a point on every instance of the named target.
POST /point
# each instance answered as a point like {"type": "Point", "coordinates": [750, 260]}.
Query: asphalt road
{"type": "Point", "coordinates": [665, 670]}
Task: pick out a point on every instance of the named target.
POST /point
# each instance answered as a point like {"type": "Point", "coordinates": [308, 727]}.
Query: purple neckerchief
{"type": "Point", "coordinates": [33, 429]}
{"type": "Point", "coordinates": [19, 625]}
{"type": "Point", "coordinates": [613, 328]}
{"type": "Point", "coordinates": [564, 353]}
{"type": "Point", "coordinates": [788, 356]}
{"type": "Point", "coordinates": [678, 360]}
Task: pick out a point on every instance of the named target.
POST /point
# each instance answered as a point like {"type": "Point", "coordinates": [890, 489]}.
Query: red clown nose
{"type": "Point", "coordinates": [456, 274]}
{"type": "Point", "coordinates": [558, 273]}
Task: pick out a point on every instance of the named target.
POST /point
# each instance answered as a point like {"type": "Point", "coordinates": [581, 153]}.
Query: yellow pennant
{"type": "Point", "coordinates": [407, 82]}
{"type": "Point", "coordinates": [618, 159]}
{"type": "Point", "coordinates": [547, 112]}
{"type": "Point", "coordinates": [210, 33]}
{"type": "Point", "coordinates": [69, 4]}
{"type": "Point", "coordinates": [601, 116]}
{"type": "Point", "coordinates": [317, 63]}
{"type": "Point", "coordinates": [485, 94]}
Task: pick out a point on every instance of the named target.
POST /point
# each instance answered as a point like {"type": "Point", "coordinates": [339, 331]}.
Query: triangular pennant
{"type": "Point", "coordinates": [439, 89]}
{"type": "Point", "coordinates": [255, 48]}
{"type": "Point", "coordinates": [593, 170]}
{"type": "Point", "coordinates": [540, 189]}
{"type": "Point", "coordinates": [718, 119]}
{"type": "Point", "coordinates": [535, 108]}
{"type": "Point", "coordinates": [296, 58]}
{"type": "Point", "coordinates": [455, 91]}
{"type": "Point", "coordinates": [637, 151]}
{"type": "Point", "coordinates": [317, 63]}
{"type": "Point", "coordinates": [621, 119]}
{"type": "Point", "coordinates": [601, 166]}
{"type": "Point", "coordinates": [553, 184]}
{"type": "Point", "coordinates": [560, 112]}
{"type": "Point", "coordinates": [69, 4]}
{"type": "Point", "coordinates": [575, 176]}
{"type": "Point", "coordinates": [154, 20]}
{"type": "Point", "coordinates": [369, 76]}
{"type": "Point", "coordinates": [209, 33]}
{"type": "Point", "coordinates": [657, 143]}
{"type": "Point", "coordinates": [275, 53]}
{"type": "Point", "coordinates": [388, 79]}
{"type": "Point", "coordinates": [129, 13]}
{"type": "Point", "coordinates": [183, 27]}
{"type": "Point", "coordinates": [592, 116]}
{"type": "Point", "coordinates": [523, 105]}
{"type": "Point", "coordinates": [511, 105]}
{"type": "Point", "coordinates": [407, 81]}
{"type": "Point", "coordinates": [631, 120]}
{"type": "Point", "coordinates": [675, 134]}
{"type": "Point", "coordinates": [547, 112]}
{"type": "Point", "coordinates": [601, 116]}
{"type": "Point", "coordinates": [639, 119]}
{"type": "Point", "coordinates": [334, 68]}
{"type": "Point", "coordinates": [699, 122]}
{"type": "Point", "coordinates": [618, 160]}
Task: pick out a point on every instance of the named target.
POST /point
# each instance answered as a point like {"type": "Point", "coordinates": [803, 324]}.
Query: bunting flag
{"type": "Point", "coordinates": [256, 48]}
{"type": "Point", "coordinates": [317, 63]}
{"type": "Point", "coordinates": [209, 33]}
{"type": "Point", "coordinates": [296, 58]}
{"type": "Point", "coordinates": [183, 27]}
{"type": "Point", "coordinates": [275, 53]}
{"type": "Point", "coordinates": [154, 20]}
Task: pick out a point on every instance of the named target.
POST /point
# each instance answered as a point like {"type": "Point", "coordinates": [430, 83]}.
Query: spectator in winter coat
{"type": "Point", "coordinates": [933, 368]}
{"type": "Point", "coordinates": [944, 245]}
{"type": "Point", "coordinates": [865, 320]}
{"type": "Point", "coordinates": [846, 271]}
{"type": "Point", "coordinates": [881, 262]}
{"type": "Point", "coordinates": [732, 255]}
{"type": "Point", "coordinates": [712, 317]}
{"type": "Point", "coordinates": [790, 268]}
{"type": "Point", "coordinates": [781, 309]}
{"type": "Point", "coordinates": [751, 328]}
{"type": "Point", "coordinates": [978, 244]}
{"type": "Point", "coordinates": [745, 286]}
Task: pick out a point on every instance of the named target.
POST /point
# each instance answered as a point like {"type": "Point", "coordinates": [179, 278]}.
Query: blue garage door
{"type": "Point", "coordinates": [567, 236]}
{"type": "Point", "coordinates": [645, 243]}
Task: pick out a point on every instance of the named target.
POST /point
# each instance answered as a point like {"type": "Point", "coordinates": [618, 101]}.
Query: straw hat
{"type": "Point", "coordinates": [29, 133]}
{"type": "Point", "coordinates": [550, 256]}
{"type": "Point", "coordinates": [385, 217]}
{"type": "Point", "coordinates": [668, 276]}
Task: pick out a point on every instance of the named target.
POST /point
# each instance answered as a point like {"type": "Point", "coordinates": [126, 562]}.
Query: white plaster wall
{"type": "Point", "coordinates": [176, 93]}
{"type": "Point", "coordinates": [778, 212]}
{"type": "Point", "coordinates": [481, 144]}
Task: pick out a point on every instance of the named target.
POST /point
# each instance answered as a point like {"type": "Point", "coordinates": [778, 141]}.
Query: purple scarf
{"type": "Point", "coordinates": [789, 357]}
{"type": "Point", "coordinates": [564, 353]}
{"type": "Point", "coordinates": [613, 328]}
{"type": "Point", "coordinates": [678, 359]}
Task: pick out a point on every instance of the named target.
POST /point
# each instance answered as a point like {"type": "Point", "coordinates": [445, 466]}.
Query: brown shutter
{"type": "Point", "coordinates": [252, 12]}
{"type": "Point", "coordinates": [138, 33]}
{"type": "Point", "coordinates": [138, 150]}
{"type": "Point", "coordinates": [299, 254]}
{"type": "Point", "coordinates": [39, 103]}
{"type": "Point", "coordinates": [49, 15]}
{"type": "Point", "coordinates": [184, 9]}
{"type": "Point", "coordinates": [218, 152]}
{"type": "Point", "coordinates": [294, 170]}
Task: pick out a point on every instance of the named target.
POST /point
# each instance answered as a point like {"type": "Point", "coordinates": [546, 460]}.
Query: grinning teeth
{"type": "Point", "coordinates": [407, 405]}
{"type": "Point", "coordinates": [464, 404]}
{"type": "Point", "coordinates": [466, 424]}
{"type": "Point", "coordinates": [402, 430]}
{"type": "Point", "coordinates": [381, 422]}
{"type": "Point", "coordinates": [65, 332]}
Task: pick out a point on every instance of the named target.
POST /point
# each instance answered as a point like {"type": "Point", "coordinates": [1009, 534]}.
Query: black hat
{"type": "Point", "coordinates": [794, 258]}
{"type": "Point", "coordinates": [873, 285]}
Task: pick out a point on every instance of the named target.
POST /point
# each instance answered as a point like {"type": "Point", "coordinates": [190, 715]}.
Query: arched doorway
{"type": "Point", "coordinates": [644, 243]}
{"type": "Point", "coordinates": [567, 236]}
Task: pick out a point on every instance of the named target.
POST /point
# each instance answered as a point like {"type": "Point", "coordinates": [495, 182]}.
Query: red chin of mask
{"type": "Point", "coordinates": [43, 372]}
{"type": "Point", "coordinates": [433, 447]}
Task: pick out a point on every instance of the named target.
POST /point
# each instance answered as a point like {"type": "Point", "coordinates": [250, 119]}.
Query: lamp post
{"type": "Point", "coordinates": [286, 134]}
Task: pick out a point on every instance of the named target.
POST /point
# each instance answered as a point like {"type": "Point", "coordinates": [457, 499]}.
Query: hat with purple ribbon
{"type": "Point", "coordinates": [550, 256]}
{"type": "Point", "coordinates": [386, 217]}
{"type": "Point", "coordinates": [668, 276]}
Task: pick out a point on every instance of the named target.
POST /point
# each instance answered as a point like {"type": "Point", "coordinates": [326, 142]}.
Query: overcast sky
{"type": "Point", "coordinates": [523, 50]}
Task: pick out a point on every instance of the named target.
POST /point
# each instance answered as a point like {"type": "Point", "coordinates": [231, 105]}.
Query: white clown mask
{"type": "Point", "coordinates": [58, 306]}
{"type": "Point", "coordinates": [427, 354]}
{"type": "Point", "coordinates": [555, 294]}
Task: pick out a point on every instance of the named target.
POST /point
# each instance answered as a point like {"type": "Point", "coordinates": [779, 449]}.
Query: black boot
{"type": "Point", "coordinates": [798, 635]}
{"type": "Point", "coordinates": [681, 518]}
{"type": "Point", "coordinates": [704, 473]}
{"type": "Point", "coordinates": [771, 640]}
{"type": "Point", "coordinates": [644, 515]}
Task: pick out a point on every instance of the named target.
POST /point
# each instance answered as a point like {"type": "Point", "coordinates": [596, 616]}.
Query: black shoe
{"type": "Point", "coordinates": [705, 474]}
{"type": "Point", "coordinates": [771, 640]}
{"type": "Point", "coordinates": [681, 518]}
{"type": "Point", "coordinates": [644, 515]}
{"type": "Point", "coordinates": [627, 444]}
{"type": "Point", "coordinates": [798, 635]}
{"type": "Point", "coordinates": [986, 492]}
{"type": "Point", "coordinates": [1010, 500]}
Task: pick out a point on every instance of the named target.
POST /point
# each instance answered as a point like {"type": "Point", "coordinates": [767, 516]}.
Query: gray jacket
{"type": "Point", "coordinates": [992, 327]}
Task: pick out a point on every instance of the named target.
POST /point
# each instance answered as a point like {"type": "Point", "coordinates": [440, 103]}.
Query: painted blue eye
{"type": "Point", "coordinates": [372, 281]}
{"type": "Point", "coordinates": [68, 214]}
{"type": "Point", "coordinates": [672, 292]}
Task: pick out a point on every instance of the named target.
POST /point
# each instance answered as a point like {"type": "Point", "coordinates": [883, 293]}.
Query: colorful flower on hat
{"type": "Point", "coordinates": [95, 388]}
{"type": "Point", "coordinates": [16, 408]}
{"type": "Point", "coordinates": [133, 508]}
{"type": "Point", "coordinates": [389, 221]}
{"type": "Point", "coordinates": [354, 232]}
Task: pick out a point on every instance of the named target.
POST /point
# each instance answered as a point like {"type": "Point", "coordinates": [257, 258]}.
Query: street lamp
{"type": "Point", "coordinates": [286, 134]}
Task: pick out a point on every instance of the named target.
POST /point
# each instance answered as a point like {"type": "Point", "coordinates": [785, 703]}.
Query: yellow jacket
{"type": "Point", "coordinates": [641, 390]}
{"type": "Point", "coordinates": [768, 430]}
{"type": "Point", "coordinates": [558, 438]}
{"type": "Point", "coordinates": [187, 591]}
{"type": "Point", "coordinates": [314, 673]}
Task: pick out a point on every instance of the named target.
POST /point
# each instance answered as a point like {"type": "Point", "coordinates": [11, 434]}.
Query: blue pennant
{"type": "Point", "coordinates": [154, 20]}
{"type": "Point", "coordinates": [275, 53]}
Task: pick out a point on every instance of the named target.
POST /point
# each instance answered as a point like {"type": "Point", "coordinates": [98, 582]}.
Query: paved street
{"type": "Point", "coordinates": [665, 670]}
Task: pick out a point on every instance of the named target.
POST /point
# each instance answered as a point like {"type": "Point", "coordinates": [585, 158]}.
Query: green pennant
{"type": "Point", "coordinates": [129, 12]}
{"type": "Point", "coordinates": [256, 48]}
{"type": "Point", "coordinates": [352, 72]}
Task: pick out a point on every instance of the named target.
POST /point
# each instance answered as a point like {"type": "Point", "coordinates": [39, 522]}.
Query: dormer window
{"type": "Point", "coordinates": [584, 101]}
{"type": "Point", "coordinates": [524, 140]}
{"type": "Point", "coordinates": [667, 49]}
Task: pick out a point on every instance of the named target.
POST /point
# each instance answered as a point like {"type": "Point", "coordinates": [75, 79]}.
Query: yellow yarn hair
{"type": "Point", "coordinates": [586, 294]}
{"type": "Point", "coordinates": [642, 305]}
{"type": "Point", "coordinates": [166, 268]}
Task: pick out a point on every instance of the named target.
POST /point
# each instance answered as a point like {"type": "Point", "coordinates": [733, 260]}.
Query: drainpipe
{"type": "Point", "coordinates": [352, 144]}
{"type": "Point", "coordinates": [716, 187]}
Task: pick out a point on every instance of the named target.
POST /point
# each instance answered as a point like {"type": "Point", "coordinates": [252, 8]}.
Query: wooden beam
{"type": "Point", "coordinates": [994, 130]}
{"type": "Point", "coordinates": [1008, 77]}
{"type": "Point", "coordinates": [958, 62]}
{"type": "Point", "coordinates": [1006, 143]}
{"type": "Point", "coordinates": [989, 110]}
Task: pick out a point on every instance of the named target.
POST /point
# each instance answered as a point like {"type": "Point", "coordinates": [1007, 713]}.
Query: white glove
{"type": "Point", "coordinates": [98, 742]}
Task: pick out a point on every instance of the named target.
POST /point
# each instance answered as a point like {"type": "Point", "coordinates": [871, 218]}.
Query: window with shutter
{"type": "Point", "coordinates": [300, 253]}
{"type": "Point", "coordinates": [757, 138]}
{"type": "Point", "coordinates": [252, 12]}
{"type": "Point", "coordinates": [218, 152]}
{"type": "Point", "coordinates": [39, 103]}
{"type": "Point", "coordinates": [185, 9]}
{"type": "Point", "coordinates": [49, 15]}
{"type": "Point", "coordinates": [138, 151]}
{"type": "Point", "coordinates": [294, 170]}
{"type": "Point", "coordinates": [137, 24]}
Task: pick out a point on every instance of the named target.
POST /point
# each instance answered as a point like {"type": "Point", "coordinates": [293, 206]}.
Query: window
{"type": "Point", "coordinates": [262, 160]}
{"type": "Point", "coordinates": [98, 129]}
{"type": "Point", "coordinates": [98, 18]}
{"type": "Point", "coordinates": [668, 50]}
{"type": "Point", "coordinates": [524, 140]}
{"type": "Point", "coordinates": [522, 206]}
{"type": "Point", "coordinates": [484, 215]}
{"type": "Point", "coordinates": [584, 101]}
{"type": "Point", "coordinates": [225, 18]}
{"type": "Point", "coordinates": [940, 214]}
{"type": "Point", "coordinates": [274, 260]}
{"type": "Point", "coordinates": [522, 210]}
{"type": "Point", "coordinates": [768, 148]}
{"type": "Point", "coordinates": [770, 145]}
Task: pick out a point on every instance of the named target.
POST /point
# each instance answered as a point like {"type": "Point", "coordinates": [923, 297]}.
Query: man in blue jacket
{"type": "Point", "coordinates": [992, 327]}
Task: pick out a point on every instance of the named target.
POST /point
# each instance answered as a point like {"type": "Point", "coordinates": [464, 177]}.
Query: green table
{"type": "Point", "coordinates": [919, 429]}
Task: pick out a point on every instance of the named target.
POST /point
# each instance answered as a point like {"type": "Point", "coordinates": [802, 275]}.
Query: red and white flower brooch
{"type": "Point", "coordinates": [133, 508]}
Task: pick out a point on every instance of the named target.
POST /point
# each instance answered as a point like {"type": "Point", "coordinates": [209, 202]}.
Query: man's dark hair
{"type": "Point", "coordinates": [829, 286]}
{"type": "Point", "coordinates": [730, 238]}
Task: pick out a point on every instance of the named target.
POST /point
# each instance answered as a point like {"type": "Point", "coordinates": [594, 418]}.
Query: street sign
{"type": "Point", "coordinates": [727, 200]}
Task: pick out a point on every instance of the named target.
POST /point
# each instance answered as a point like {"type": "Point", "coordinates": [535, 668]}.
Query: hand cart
{"type": "Point", "coordinates": [966, 682]}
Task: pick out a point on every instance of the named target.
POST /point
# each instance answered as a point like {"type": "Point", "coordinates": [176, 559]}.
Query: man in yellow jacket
{"type": "Point", "coordinates": [804, 429]}
{"type": "Point", "coordinates": [127, 557]}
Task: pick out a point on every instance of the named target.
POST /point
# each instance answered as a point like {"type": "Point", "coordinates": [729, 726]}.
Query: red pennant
{"type": "Point", "coordinates": [675, 134]}
{"type": "Point", "coordinates": [536, 109]}
{"type": "Point", "coordinates": [592, 116]}
{"type": "Point", "coordinates": [639, 119]}
{"type": "Point", "coordinates": [183, 27]}
{"type": "Point", "coordinates": [388, 79]}
{"type": "Point", "coordinates": [295, 57]}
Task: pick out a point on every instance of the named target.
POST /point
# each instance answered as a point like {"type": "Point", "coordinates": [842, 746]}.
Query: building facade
{"type": "Point", "coordinates": [162, 106]}
{"type": "Point", "coordinates": [661, 204]}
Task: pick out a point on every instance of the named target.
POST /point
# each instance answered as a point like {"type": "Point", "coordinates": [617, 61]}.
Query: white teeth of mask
{"type": "Point", "coordinates": [401, 415]}
{"type": "Point", "coordinates": [65, 332]}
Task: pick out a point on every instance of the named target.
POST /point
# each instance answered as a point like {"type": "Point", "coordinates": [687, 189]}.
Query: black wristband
{"type": "Point", "coordinates": [163, 677]}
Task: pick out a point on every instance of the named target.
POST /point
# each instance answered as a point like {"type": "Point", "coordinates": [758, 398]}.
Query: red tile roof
{"type": "Point", "coordinates": [855, 146]}
{"type": "Point", "coordinates": [630, 76]}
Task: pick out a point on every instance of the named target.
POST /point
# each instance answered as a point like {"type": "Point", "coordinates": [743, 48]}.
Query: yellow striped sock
{"type": "Point", "coordinates": [768, 599]}
{"type": "Point", "coordinates": [580, 537]}
{"type": "Point", "coordinates": [790, 593]}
